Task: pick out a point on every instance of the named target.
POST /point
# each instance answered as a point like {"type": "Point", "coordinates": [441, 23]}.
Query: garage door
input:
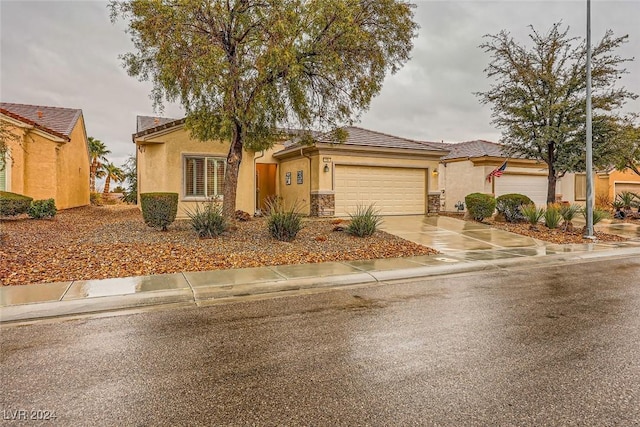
{"type": "Point", "coordinates": [532, 186]}
{"type": "Point", "coordinates": [633, 187]}
{"type": "Point", "coordinates": [395, 191]}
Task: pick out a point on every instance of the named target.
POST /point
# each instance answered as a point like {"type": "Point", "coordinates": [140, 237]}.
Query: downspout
{"type": "Point", "coordinates": [308, 157]}
{"type": "Point", "coordinates": [255, 182]}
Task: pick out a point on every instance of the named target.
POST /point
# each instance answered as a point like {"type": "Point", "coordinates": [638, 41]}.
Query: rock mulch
{"type": "Point", "coordinates": [112, 241]}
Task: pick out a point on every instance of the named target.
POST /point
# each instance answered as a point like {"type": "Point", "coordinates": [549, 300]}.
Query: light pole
{"type": "Point", "coordinates": [589, 170]}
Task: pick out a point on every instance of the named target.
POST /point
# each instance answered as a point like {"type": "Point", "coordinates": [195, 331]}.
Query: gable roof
{"type": "Point", "coordinates": [53, 120]}
{"type": "Point", "coordinates": [476, 148]}
{"type": "Point", "coordinates": [150, 123]}
{"type": "Point", "coordinates": [360, 137]}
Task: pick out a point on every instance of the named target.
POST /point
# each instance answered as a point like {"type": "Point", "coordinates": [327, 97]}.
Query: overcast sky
{"type": "Point", "coordinates": [65, 54]}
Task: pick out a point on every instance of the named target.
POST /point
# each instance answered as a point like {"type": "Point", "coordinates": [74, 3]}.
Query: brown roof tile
{"type": "Point", "coordinates": [145, 123]}
{"type": "Point", "coordinates": [477, 148]}
{"type": "Point", "coordinates": [55, 120]}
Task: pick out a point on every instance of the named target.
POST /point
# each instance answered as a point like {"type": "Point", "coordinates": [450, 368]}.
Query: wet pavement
{"type": "Point", "coordinates": [540, 345]}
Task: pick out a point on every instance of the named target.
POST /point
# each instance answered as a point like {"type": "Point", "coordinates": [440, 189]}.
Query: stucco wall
{"type": "Point", "coordinates": [294, 192]}
{"type": "Point", "coordinates": [458, 179]}
{"type": "Point", "coordinates": [161, 162]}
{"type": "Point", "coordinates": [605, 185]}
{"type": "Point", "coordinates": [72, 186]}
{"type": "Point", "coordinates": [39, 169]}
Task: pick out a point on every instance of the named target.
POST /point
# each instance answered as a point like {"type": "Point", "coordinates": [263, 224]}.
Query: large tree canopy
{"type": "Point", "coordinates": [243, 69]}
{"type": "Point", "coordinates": [538, 97]}
{"type": "Point", "coordinates": [626, 143]}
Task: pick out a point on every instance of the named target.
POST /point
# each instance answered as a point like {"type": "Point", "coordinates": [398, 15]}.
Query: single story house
{"type": "Point", "coordinates": [399, 175]}
{"type": "Point", "coordinates": [50, 156]}
{"type": "Point", "coordinates": [611, 182]}
{"type": "Point", "coordinates": [467, 167]}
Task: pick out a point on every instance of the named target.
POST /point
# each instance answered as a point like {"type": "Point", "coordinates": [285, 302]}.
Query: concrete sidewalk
{"type": "Point", "coordinates": [466, 248]}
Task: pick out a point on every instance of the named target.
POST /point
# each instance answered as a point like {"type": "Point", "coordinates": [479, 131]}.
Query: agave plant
{"type": "Point", "coordinates": [568, 213]}
{"type": "Point", "coordinates": [627, 199]}
{"type": "Point", "coordinates": [532, 214]}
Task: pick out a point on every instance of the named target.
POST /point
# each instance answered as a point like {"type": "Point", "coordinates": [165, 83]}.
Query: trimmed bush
{"type": "Point", "coordinates": [159, 209]}
{"type": "Point", "coordinates": [207, 221]}
{"type": "Point", "coordinates": [364, 222]}
{"type": "Point", "coordinates": [40, 209]}
{"type": "Point", "coordinates": [283, 222]}
{"type": "Point", "coordinates": [480, 206]}
{"type": "Point", "coordinates": [12, 204]}
{"type": "Point", "coordinates": [552, 216]}
{"type": "Point", "coordinates": [509, 205]}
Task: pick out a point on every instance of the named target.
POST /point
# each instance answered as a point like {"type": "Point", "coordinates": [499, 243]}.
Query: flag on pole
{"type": "Point", "coordinates": [497, 172]}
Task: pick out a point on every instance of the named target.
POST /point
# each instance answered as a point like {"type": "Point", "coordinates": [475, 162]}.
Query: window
{"type": "Point", "coordinates": [203, 176]}
{"type": "Point", "coordinates": [580, 188]}
{"type": "Point", "coordinates": [3, 175]}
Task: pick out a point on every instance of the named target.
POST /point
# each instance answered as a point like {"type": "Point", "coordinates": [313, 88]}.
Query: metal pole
{"type": "Point", "coordinates": [589, 207]}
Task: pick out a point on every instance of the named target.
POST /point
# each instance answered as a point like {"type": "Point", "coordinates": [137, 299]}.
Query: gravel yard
{"type": "Point", "coordinates": [113, 241]}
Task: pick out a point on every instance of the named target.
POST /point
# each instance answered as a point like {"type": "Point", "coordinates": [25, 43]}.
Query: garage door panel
{"type": "Point", "coordinates": [394, 191]}
{"type": "Point", "coordinates": [532, 186]}
{"type": "Point", "coordinates": [633, 187]}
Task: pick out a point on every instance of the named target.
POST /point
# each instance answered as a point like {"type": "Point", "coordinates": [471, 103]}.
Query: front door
{"type": "Point", "coordinates": [265, 183]}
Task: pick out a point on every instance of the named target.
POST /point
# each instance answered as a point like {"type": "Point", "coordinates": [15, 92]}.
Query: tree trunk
{"type": "Point", "coordinates": [92, 177]}
{"type": "Point", "coordinates": [231, 176]}
{"type": "Point", "coordinates": [107, 183]}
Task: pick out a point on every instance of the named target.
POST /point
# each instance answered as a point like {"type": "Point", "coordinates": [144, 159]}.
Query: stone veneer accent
{"type": "Point", "coordinates": [433, 203]}
{"type": "Point", "coordinates": [323, 203]}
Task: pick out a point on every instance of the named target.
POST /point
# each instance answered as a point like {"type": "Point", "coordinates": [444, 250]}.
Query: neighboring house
{"type": "Point", "coordinates": [466, 168]}
{"type": "Point", "coordinates": [398, 175]}
{"type": "Point", "coordinates": [609, 183]}
{"type": "Point", "coordinates": [50, 159]}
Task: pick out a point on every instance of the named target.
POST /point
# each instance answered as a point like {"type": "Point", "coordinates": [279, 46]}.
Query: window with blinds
{"type": "Point", "coordinates": [204, 176]}
{"type": "Point", "coordinates": [580, 188]}
{"type": "Point", "coordinates": [3, 175]}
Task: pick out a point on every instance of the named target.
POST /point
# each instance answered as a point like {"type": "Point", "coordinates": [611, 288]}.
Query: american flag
{"type": "Point", "coordinates": [497, 172]}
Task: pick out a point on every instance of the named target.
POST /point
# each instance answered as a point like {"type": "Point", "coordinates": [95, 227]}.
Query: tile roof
{"type": "Point", "coordinates": [55, 120]}
{"type": "Point", "coordinates": [477, 148]}
{"type": "Point", "coordinates": [368, 138]}
{"type": "Point", "coordinates": [145, 123]}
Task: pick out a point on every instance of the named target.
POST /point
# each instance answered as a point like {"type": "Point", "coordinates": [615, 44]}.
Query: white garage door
{"type": "Point", "coordinates": [532, 186]}
{"type": "Point", "coordinates": [395, 191]}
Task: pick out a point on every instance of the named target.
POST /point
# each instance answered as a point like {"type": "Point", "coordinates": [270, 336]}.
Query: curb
{"type": "Point", "coordinates": [220, 293]}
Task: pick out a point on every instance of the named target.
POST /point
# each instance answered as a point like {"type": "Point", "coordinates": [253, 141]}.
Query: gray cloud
{"type": "Point", "coordinates": [65, 53]}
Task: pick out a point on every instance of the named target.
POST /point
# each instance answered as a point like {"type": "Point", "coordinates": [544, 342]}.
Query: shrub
{"type": "Point", "coordinates": [627, 199]}
{"type": "Point", "coordinates": [283, 222]}
{"type": "Point", "coordinates": [509, 206]}
{"type": "Point", "coordinates": [532, 214]}
{"type": "Point", "coordinates": [159, 209]}
{"type": "Point", "coordinates": [552, 216]}
{"type": "Point", "coordinates": [207, 221]}
{"type": "Point", "coordinates": [598, 215]}
{"type": "Point", "coordinates": [13, 204]}
{"type": "Point", "coordinates": [95, 199]}
{"type": "Point", "coordinates": [365, 221]}
{"type": "Point", "coordinates": [480, 206]}
{"type": "Point", "coordinates": [568, 212]}
{"type": "Point", "coordinates": [40, 209]}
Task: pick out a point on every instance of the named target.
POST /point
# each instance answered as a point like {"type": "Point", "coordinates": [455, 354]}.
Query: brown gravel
{"type": "Point", "coordinates": [543, 233]}
{"type": "Point", "coordinates": [113, 241]}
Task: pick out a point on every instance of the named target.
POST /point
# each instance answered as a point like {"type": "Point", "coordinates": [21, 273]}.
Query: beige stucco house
{"type": "Point", "coordinates": [50, 158]}
{"type": "Point", "coordinates": [466, 168]}
{"type": "Point", "coordinates": [398, 175]}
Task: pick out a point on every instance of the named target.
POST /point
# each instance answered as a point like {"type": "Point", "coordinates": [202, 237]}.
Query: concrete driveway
{"type": "Point", "coordinates": [472, 240]}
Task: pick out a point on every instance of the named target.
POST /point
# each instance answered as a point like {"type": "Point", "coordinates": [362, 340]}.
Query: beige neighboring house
{"type": "Point", "coordinates": [398, 175]}
{"type": "Point", "coordinates": [466, 168]}
{"type": "Point", "coordinates": [50, 158]}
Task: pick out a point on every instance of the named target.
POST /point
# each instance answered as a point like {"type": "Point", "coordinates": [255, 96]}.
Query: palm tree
{"type": "Point", "coordinates": [111, 172]}
{"type": "Point", "coordinates": [98, 155]}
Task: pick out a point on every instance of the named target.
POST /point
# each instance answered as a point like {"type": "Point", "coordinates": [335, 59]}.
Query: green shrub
{"type": "Point", "coordinates": [509, 206]}
{"type": "Point", "coordinates": [40, 209]}
{"type": "Point", "coordinates": [598, 215]}
{"type": "Point", "coordinates": [95, 199]}
{"type": "Point", "coordinates": [568, 212]}
{"type": "Point", "coordinates": [552, 216]}
{"type": "Point", "coordinates": [207, 220]}
{"type": "Point", "coordinates": [159, 209]}
{"type": "Point", "coordinates": [283, 222]}
{"type": "Point", "coordinates": [13, 204]}
{"type": "Point", "coordinates": [480, 206]}
{"type": "Point", "coordinates": [532, 214]}
{"type": "Point", "coordinates": [364, 222]}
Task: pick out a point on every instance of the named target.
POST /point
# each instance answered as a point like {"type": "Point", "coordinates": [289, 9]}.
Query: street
{"type": "Point", "coordinates": [538, 346]}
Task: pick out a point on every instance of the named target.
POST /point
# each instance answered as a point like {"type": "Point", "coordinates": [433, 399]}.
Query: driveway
{"type": "Point", "coordinates": [474, 241]}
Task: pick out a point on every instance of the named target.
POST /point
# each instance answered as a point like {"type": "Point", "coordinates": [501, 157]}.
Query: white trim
{"type": "Point", "coordinates": [31, 128]}
{"type": "Point", "coordinates": [7, 170]}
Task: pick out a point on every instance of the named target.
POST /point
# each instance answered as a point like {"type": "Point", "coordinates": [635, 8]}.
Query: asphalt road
{"type": "Point", "coordinates": [554, 346]}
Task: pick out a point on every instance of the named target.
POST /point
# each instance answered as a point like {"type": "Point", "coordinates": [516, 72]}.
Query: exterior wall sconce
{"type": "Point", "coordinates": [326, 167]}
{"type": "Point", "coordinates": [434, 172]}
